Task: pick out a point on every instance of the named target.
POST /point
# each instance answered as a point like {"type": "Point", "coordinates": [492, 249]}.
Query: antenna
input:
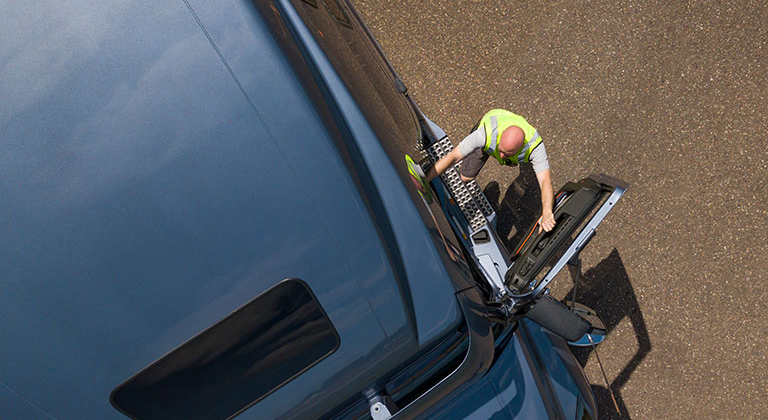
{"type": "Point", "coordinates": [615, 404]}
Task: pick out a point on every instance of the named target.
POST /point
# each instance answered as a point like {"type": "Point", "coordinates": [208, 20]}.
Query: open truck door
{"type": "Point", "coordinates": [513, 281]}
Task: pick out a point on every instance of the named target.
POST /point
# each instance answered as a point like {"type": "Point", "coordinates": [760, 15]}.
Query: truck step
{"type": "Point", "coordinates": [470, 199]}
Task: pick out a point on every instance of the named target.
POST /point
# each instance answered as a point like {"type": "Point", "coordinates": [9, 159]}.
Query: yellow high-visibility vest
{"type": "Point", "coordinates": [495, 122]}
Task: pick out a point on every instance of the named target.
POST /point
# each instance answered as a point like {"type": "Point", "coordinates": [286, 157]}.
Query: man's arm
{"type": "Point", "coordinates": [473, 141]}
{"type": "Point", "coordinates": [547, 200]}
{"type": "Point", "coordinates": [443, 164]}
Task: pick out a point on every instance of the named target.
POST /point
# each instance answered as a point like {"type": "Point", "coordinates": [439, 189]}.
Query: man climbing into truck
{"type": "Point", "coordinates": [511, 140]}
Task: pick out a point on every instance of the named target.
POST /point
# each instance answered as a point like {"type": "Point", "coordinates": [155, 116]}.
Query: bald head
{"type": "Point", "coordinates": [511, 141]}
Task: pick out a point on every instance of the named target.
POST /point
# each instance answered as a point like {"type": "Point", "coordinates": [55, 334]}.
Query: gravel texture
{"type": "Point", "coordinates": [669, 96]}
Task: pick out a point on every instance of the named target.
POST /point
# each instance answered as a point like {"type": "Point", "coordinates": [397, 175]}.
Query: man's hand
{"type": "Point", "coordinates": [547, 222]}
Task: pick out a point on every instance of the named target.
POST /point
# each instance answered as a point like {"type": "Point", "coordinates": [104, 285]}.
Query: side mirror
{"type": "Point", "coordinates": [597, 332]}
{"type": "Point", "coordinates": [558, 318]}
{"type": "Point", "coordinates": [576, 327]}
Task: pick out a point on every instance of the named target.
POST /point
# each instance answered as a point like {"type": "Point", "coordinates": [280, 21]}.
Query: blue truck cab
{"type": "Point", "coordinates": [207, 214]}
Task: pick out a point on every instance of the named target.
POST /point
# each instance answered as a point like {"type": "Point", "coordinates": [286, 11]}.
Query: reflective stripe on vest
{"type": "Point", "coordinates": [525, 153]}
{"type": "Point", "coordinates": [494, 133]}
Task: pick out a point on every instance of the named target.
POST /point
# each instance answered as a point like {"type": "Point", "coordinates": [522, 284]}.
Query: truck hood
{"type": "Point", "coordinates": [162, 166]}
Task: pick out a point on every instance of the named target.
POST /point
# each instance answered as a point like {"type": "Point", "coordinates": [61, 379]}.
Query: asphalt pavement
{"type": "Point", "coordinates": [669, 96]}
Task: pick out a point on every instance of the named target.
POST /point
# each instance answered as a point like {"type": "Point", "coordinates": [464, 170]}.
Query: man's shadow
{"type": "Point", "coordinates": [520, 207]}
{"type": "Point", "coordinates": [606, 287]}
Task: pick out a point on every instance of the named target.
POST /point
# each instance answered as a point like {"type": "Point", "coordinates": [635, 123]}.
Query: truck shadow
{"type": "Point", "coordinates": [606, 287]}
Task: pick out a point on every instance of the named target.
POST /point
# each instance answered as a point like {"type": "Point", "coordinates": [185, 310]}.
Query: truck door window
{"type": "Point", "coordinates": [235, 363]}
